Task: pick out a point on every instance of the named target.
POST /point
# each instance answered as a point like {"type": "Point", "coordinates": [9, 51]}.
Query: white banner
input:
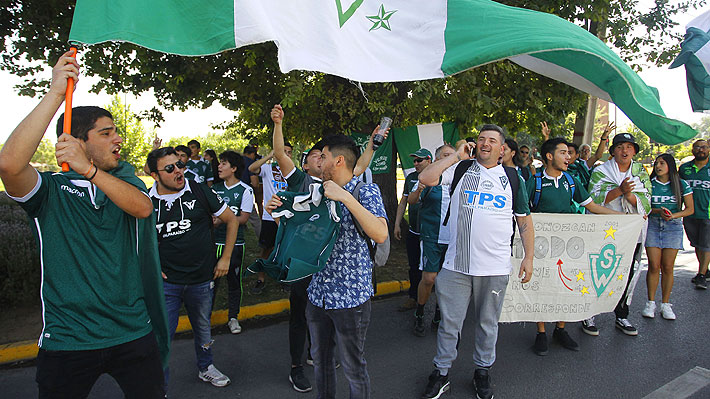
{"type": "Point", "coordinates": [580, 269]}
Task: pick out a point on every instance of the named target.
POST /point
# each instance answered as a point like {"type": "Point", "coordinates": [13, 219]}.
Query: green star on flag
{"type": "Point", "coordinates": [381, 20]}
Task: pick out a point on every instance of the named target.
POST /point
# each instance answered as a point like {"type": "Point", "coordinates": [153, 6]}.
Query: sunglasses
{"type": "Point", "coordinates": [171, 167]}
{"type": "Point", "coordinates": [417, 160]}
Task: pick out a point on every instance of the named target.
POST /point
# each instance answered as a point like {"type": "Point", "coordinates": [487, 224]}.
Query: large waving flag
{"type": "Point", "coordinates": [384, 40]}
{"type": "Point", "coordinates": [695, 55]}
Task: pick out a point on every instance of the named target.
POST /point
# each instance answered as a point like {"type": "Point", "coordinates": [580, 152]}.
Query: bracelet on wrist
{"type": "Point", "coordinates": [88, 170]}
{"type": "Point", "coordinates": [96, 170]}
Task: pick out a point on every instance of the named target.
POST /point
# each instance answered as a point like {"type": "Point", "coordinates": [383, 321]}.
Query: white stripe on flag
{"type": "Point", "coordinates": [431, 136]}
{"type": "Point", "coordinates": [703, 56]}
{"type": "Point", "coordinates": [564, 75]}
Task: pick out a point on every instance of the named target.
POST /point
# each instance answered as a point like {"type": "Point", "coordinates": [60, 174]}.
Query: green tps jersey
{"type": "Point", "coordinates": [184, 234]}
{"type": "Point", "coordinates": [92, 291]}
{"type": "Point", "coordinates": [699, 181]}
{"type": "Point", "coordinates": [298, 181]}
{"type": "Point", "coordinates": [662, 195]}
{"type": "Point", "coordinates": [557, 198]}
{"type": "Point", "coordinates": [201, 171]}
{"type": "Point", "coordinates": [410, 184]}
{"type": "Point", "coordinates": [308, 228]}
{"type": "Point", "coordinates": [239, 198]}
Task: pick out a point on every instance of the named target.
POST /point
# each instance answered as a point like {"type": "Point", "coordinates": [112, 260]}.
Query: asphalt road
{"type": "Point", "coordinates": [611, 365]}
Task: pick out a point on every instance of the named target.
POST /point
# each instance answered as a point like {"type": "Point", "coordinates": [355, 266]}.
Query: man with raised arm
{"type": "Point", "coordinates": [102, 298]}
{"type": "Point", "coordinates": [477, 263]}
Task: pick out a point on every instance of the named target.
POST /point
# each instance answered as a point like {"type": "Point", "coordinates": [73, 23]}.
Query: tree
{"type": "Point", "coordinates": [45, 156]}
{"type": "Point", "coordinates": [137, 140]}
{"type": "Point", "coordinates": [248, 80]}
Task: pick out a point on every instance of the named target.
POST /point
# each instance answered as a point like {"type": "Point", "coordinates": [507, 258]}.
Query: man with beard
{"type": "Point", "coordinates": [187, 253]}
{"type": "Point", "coordinates": [624, 186]}
{"type": "Point", "coordinates": [477, 264]}
{"type": "Point", "coordinates": [102, 305]}
{"type": "Point", "coordinates": [697, 226]}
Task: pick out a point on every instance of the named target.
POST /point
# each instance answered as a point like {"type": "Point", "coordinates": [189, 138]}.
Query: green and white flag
{"type": "Point", "coordinates": [384, 41]}
{"type": "Point", "coordinates": [431, 137]}
{"type": "Point", "coordinates": [382, 158]}
{"type": "Point", "coordinates": [695, 55]}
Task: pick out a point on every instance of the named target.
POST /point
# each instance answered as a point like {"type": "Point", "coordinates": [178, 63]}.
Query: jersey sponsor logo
{"type": "Point", "coordinates": [548, 184]}
{"type": "Point", "coordinates": [658, 199]}
{"type": "Point", "coordinates": [70, 190]}
{"type": "Point", "coordinates": [314, 217]}
{"type": "Point", "coordinates": [483, 199]}
{"type": "Point", "coordinates": [704, 184]}
{"type": "Point", "coordinates": [279, 185]}
{"type": "Point", "coordinates": [174, 228]}
{"type": "Point", "coordinates": [234, 209]}
{"type": "Point", "coordinates": [190, 204]}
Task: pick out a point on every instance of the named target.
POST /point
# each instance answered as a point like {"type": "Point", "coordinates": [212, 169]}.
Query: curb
{"type": "Point", "coordinates": [27, 350]}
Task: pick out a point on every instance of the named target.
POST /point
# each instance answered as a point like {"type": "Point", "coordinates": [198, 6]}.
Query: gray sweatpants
{"type": "Point", "coordinates": [454, 291]}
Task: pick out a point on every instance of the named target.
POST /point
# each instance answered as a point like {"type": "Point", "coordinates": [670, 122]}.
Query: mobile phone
{"type": "Point", "coordinates": [667, 212]}
{"type": "Point", "coordinates": [471, 152]}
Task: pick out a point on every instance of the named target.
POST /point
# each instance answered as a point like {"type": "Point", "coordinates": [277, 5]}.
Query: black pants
{"type": "Point", "coordinates": [413, 257]}
{"type": "Point", "coordinates": [135, 365]}
{"type": "Point", "coordinates": [234, 280]}
{"type": "Point", "coordinates": [622, 308]}
{"type": "Point", "coordinates": [297, 326]}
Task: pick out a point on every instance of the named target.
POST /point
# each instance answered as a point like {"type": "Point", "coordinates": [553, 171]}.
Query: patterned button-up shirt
{"type": "Point", "coordinates": [346, 280]}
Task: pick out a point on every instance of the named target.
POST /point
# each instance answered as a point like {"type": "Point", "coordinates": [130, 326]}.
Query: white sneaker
{"type": "Point", "coordinates": [667, 311]}
{"type": "Point", "coordinates": [650, 309]}
{"type": "Point", "coordinates": [214, 376]}
{"type": "Point", "coordinates": [234, 326]}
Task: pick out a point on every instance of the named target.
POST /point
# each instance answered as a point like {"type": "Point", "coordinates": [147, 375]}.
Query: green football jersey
{"type": "Point", "coordinates": [662, 195]}
{"type": "Point", "coordinates": [580, 171]}
{"type": "Point", "coordinates": [556, 194]}
{"type": "Point", "coordinates": [410, 184]}
{"type": "Point", "coordinates": [184, 236]}
{"type": "Point", "coordinates": [699, 180]}
{"type": "Point", "coordinates": [434, 202]}
{"type": "Point", "coordinates": [92, 292]}
{"type": "Point", "coordinates": [201, 171]}
{"type": "Point", "coordinates": [239, 198]}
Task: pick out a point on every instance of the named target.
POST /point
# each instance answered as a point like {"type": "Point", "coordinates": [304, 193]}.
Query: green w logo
{"type": "Point", "coordinates": [343, 17]}
{"type": "Point", "coordinates": [603, 267]}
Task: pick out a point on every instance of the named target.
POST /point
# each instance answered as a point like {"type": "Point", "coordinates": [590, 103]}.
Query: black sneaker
{"type": "Point", "coordinates": [540, 346]}
{"type": "Point", "coordinates": [695, 278]}
{"type": "Point", "coordinates": [626, 327]}
{"type": "Point", "coordinates": [258, 287]}
{"type": "Point", "coordinates": [438, 384]}
{"type": "Point", "coordinates": [707, 274]}
{"type": "Point", "coordinates": [562, 337]}
{"type": "Point", "coordinates": [419, 329]}
{"type": "Point", "coordinates": [482, 384]}
{"type": "Point", "coordinates": [700, 282]}
{"type": "Point", "coordinates": [589, 327]}
{"type": "Point", "coordinates": [299, 382]}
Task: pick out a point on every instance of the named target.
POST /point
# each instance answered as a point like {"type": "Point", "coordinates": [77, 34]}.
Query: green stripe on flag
{"type": "Point", "coordinates": [184, 27]}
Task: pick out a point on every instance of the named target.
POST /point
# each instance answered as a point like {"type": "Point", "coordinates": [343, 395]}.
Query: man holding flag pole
{"type": "Point", "coordinates": [102, 299]}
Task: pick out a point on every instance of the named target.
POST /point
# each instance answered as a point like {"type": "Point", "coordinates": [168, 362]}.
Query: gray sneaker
{"type": "Point", "coordinates": [234, 326]}
{"type": "Point", "coordinates": [214, 376]}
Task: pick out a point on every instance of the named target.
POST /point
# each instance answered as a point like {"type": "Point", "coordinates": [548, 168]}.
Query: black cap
{"type": "Point", "coordinates": [623, 138]}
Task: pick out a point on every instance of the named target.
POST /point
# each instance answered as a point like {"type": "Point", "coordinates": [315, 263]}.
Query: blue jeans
{"type": "Point", "coordinates": [198, 303]}
{"type": "Point", "coordinates": [350, 327]}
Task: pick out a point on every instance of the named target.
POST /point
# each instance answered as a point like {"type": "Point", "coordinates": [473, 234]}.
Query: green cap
{"type": "Point", "coordinates": [421, 153]}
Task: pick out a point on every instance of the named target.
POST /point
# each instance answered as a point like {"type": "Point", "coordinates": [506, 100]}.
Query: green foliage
{"type": "Point", "coordinates": [137, 140]}
{"type": "Point", "coordinates": [703, 128]}
{"type": "Point", "coordinates": [45, 156]}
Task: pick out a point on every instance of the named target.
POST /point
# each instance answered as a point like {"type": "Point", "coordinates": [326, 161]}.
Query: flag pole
{"type": "Point", "coordinates": [68, 107]}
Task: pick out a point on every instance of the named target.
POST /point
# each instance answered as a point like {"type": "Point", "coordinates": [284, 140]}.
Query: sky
{"type": "Point", "coordinates": [196, 122]}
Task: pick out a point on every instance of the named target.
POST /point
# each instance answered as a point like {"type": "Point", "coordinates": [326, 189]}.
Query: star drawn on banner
{"type": "Point", "coordinates": [382, 19]}
{"type": "Point", "coordinates": [611, 292]}
{"type": "Point", "coordinates": [620, 277]}
{"type": "Point", "coordinates": [610, 232]}
{"type": "Point", "coordinates": [584, 290]}
{"type": "Point", "coordinates": [580, 276]}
